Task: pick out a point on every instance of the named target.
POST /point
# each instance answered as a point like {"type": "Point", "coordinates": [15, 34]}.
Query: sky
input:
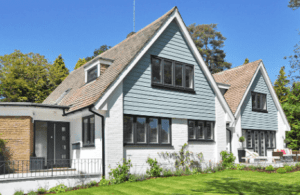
{"type": "Point", "coordinates": [255, 29]}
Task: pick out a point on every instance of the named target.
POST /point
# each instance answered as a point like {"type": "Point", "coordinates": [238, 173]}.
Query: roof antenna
{"type": "Point", "coordinates": [133, 15]}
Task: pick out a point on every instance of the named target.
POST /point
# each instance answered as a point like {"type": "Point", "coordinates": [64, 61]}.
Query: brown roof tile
{"type": "Point", "coordinates": [81, 94]}
{"type": "Point", "coordinates": [238, 78]}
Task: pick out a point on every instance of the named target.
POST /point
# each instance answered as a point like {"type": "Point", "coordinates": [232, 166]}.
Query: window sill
{"type": "Point", "coordinates": [181, 89]}
{"type": "Point", "coordinates": [203, 140]}
{"type": "Point", "coordinates": [148, 145]}
{"type": "Point", "coordinates": [259, 110]}
{"type": "Point", "coordinates": [88, 146]}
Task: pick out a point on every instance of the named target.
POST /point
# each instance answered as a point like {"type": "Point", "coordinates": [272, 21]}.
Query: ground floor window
{"type": "Point", "coordinates": [200, 130]}
{"type": "Point", "coordinates": [146, 130]}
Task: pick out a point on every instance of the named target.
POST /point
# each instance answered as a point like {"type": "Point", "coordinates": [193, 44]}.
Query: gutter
{"type": "Point", "coordinates": [103, 139]}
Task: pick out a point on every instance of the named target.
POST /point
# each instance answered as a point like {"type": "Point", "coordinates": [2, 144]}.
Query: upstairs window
{"type": "Point", "coordinates": [200, 130]}
{"type": "Point", "coordinates": [88, 131]}
{"type": "Point", "coordinates": [92, 74]}
{"type": "Point", "coordinates": [171, 74]}
{"type": "Point", "coordinates": [259, 102]}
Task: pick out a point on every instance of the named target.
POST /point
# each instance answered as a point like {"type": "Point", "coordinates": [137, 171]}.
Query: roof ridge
{"type": "Point", "coordinates": [237, 67]}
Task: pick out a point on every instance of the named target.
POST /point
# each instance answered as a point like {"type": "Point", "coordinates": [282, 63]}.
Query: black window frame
{"type": "Point", "coordinates": [268, 134]}
{"type": "Point", "coordinates": [204, 131]}
{"type": "Point", "coordinates": [259, 109]}
{"type": "Point", "coordinates": [173, 86]}
{"type": "Point", "coordinates": [90, 70]}
{"type": "Point", "coordinates": [88, 131]}
{"type": "Point", "coordinates": [148, 131]}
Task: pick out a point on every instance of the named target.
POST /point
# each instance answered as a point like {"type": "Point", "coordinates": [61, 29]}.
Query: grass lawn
{"type": "Point", "coordinates": [224, 182]}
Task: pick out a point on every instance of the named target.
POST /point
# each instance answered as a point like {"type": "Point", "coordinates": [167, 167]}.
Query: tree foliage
{"type": "Point", "coordinates": [98, 51]}
{"type": "Point", "coordinates": [79, 63]}
{"type": "Point", "coordinates": [294, 61]}
{"type": "Point", "coordinates": [280, 86]}
{"type": "Point", "coordinates": [24, 77]}
{"type": "Point", "coordinates": [210, 43]}
{"type": "Point", "coordinates": [58, 71]}
{"type": "Point", "coordinates": [246, 61]}
{"type": "Point", "coordinates": [294, 4]}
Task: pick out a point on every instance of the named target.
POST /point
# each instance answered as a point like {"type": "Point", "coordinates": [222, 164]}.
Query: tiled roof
{"type": "Point", "coordinates": [238, 78]}
{"type": "Point", "coordinates": [81, 94]}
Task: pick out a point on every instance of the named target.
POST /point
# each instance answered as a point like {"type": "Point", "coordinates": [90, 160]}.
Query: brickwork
{"type": "Point", "coordinates": [18, 131]}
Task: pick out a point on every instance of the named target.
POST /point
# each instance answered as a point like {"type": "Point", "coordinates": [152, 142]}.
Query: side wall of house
{"type": "Point", "coordinates": [259, 120]}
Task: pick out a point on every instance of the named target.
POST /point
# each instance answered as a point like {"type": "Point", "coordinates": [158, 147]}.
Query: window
{"type": "Point", "coordinates": [88, 131]}
{"type": "Point", "coordinates": [171, 74]}
{"type": "Point", "coordinates": [145, 130]}
{"type": "Point", "coordinates": [200, 130]}
{"type": "Point", "coordinates": [92, 74]}
{"type": "Point", "coordinates": [267, 139]}
{"type": "Point", "coordinates": [259, 102]}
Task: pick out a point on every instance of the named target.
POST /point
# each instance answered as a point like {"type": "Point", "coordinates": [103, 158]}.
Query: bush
{"type": "Point", "coordinates": [41, 191]}
{"type": "Point", "coordinates": [178, 172]}
{"type": "Point", "coordinates": [187, 171]}
{"type": "Point", "coordinates": [298, 164]}
{"type": "Point", "coordinates": [281, 170]}
{"type": "Point", "coordinates": [31, 193]}
{"type": "Point", "coordinates": [269, 168]}
{"type": "Point", "coordinates": [121, 173]}
{"type": "Point", "coordinates": [167, 173]}
{"type": "Point", "coordinates": [227, 158]}
{"type": "Point", "coordinates": [288, 168]}
{"type": "Point", "coordinates": [242, 139]}
{"type": "Point", "coordinates": [58, 189]}
{"type": "Point", "coordinates": [293, 167]}
{"type": "Point", "coordinates": [104, 182]}
{"type": "Point", "coordinates": [240, 167]}
{"type": "Point", "coordinates": [155, 170]}
{"type": "Point", "coordinates": [93, 183]}
{"type": "Point", "coordinates": [20, 192]}
{"type": "Point", "coordinates": [253, 168]}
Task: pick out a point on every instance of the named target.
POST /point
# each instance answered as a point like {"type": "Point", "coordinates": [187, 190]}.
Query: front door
{"type": "Point", "coordinates": [58, 144]}
{"type": "Point", "coordinates": [259, 143]}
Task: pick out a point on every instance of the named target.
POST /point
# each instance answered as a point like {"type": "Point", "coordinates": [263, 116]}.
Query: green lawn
{"type": "Point", "coordinates": [225, 182]}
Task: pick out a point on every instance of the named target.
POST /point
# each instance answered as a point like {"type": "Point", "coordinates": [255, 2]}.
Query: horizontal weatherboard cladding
{"type": "Point", "coordinates": [259, 120]}
{"type": "Point", "coordinates": [142, 99]}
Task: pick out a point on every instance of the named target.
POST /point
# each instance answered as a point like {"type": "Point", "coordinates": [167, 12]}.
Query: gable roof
{"type": "Point", "coordinates": [239, 79]}
{"type": "Point", "coordinates": [82, 95]}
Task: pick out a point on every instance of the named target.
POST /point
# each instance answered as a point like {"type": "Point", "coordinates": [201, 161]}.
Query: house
{"type": "Point", "coordinates": [149, 94]}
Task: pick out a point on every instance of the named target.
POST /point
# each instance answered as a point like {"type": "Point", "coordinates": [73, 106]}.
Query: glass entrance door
{"type": "Point", "coordinates": [259, 143]}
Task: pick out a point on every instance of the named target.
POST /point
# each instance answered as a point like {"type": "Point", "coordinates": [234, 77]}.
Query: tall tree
{"type": "Point", "coordinates": [294, 4]}
{"type": "Point", "coordinates": [280, 86]}
{"type": "Point", "coordinates": [79, 63]}
{"type": "Point", "coordinates": [246, 61]}
{"type": "Point", "coordinates": [24, 77]}
{"type": "Point", "coordinates": [294, 61]}
{"type": "Point", "coordinates": [58, 71]}
{"type": "Point", "coordinates": [210, 43]}
{"type": "Point", "coordinates": [98, 51]}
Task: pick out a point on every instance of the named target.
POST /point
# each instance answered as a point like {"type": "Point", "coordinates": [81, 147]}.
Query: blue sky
{"type": "Point", "coordinates": [255, 29]}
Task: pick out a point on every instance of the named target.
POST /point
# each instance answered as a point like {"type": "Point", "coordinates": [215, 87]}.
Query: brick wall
{"type": "Point", "coordinates": [18, 131]}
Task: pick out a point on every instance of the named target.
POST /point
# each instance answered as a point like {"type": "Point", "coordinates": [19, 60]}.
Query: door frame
{"type": "Point", "coordinates": [230, 136]}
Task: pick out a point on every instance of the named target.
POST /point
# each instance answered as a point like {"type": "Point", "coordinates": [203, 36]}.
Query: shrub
{"type": "Point", "coordinates": [253, 168]}
{"type": "Point", "coordinates": [167, 173]}
{"type": "Point", "coordinates": [41, 191]}
{"type": "Point", "coordinates": [187, 171]}
{"type": "Point", "coordinates": [178, 172]}
{"type": "Point", "coordinates": [32, 193]}
{"type": "Point", "coordinates": [104, 182]}
{"type": "Point", "coordinates": [242, 139]}
{"type": "Point", "coordinates": [132, 178]}
{"type": "Point", "coordinates": [121, 173]}
{"type": "Point", "coordinates": [281, 170]}
{"type": "Point", "coordinates": [227, 158]}
{"type": "Point", "coordinates": [93, 183]}
{"type": "Point", "coordinates": [58, 189]}
{"type": "Point", "coordinates": [155, 169]}
{"type": "Point", "coordinates": [269, 168]}
{"type": "Point", "coordinates": [293, 167]}
{"type": "Point", "coordinates": [298, 164]}
{"type": "Point", "coordinates": [20, 192]}
{"type": "Point", "coordinates": [240, 167]}
{"type": "Point", "coordinates": [288, 168]}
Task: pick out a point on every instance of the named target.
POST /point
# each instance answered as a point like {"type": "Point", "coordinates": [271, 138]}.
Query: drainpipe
{"type": "Point", "coordinates": [103, 139]}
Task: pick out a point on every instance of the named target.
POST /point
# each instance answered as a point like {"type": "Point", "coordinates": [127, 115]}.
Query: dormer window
{"type": "Point", "coordinates": [92, 74]}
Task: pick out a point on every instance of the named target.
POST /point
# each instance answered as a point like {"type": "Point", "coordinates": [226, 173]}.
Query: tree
{"type": "Point", "coordinates": [294, 61]}
{"type": "Point", "coordinates": [246, 61]}
{"type": "Point", "coordinates": [24, 77]}
{"type": "Point", "coordinates": [97, 52]}
{"type": "Point", "coordinates": [79, 63]}
{"type": "Point", "coordinates": [210, 43]}
{"type": "Point", "coordinates": [131, 33]}
{"type": "Point", "coordinates": [58, 71]}
{"type": "Point", "coordinates": [294, 4]}
{"type": "Point", "coordinates": [280, 86]}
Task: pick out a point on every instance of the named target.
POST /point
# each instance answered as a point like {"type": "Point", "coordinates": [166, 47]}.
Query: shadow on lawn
{"type": "Point", "coordinates": [234, 186]}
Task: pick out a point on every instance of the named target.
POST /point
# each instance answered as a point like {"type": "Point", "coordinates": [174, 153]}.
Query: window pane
{"type": "Point", "coordinates": [200, 129]}
{"type": "Point", "coordinates": [274, 140]}
{"type": "Point", "coordinates": [85, 130]}
{"type": "Point", "coordinates": [258, 100]}
{"type": "Point", "coordinates": [249, 139]}
{"type": "Point", "coordinates": [167, 72]}
{"type": "Point", "coordinates": [268, 139]}
{"type": "Point", "coordinates": [178, 75]}
{"type": "Point", "coordinates": [156, 70]}
{"type": "Point", "coordinates": [165, 131]}
{"type": "Point", "coordinates": [209, 130]}
{"type": "Point", "coordinates": [141, 130]}
{"type": "Point", "coordinates": [253, 101]}
{"type": "Point", "coordinates": [92, 130]}
{"type": "Point", "coordinates": [192, 133]}
{"type": "Point", "coordinates": [92, 73]}
{"type": "Point", "coordinates": [128, 129]}
{"type": "Point", "coordinates": [153, 124]}
{"type": "Point", "coordinates": [189, 76]}
{"type": "Point", "coordinates": [264, 103]}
